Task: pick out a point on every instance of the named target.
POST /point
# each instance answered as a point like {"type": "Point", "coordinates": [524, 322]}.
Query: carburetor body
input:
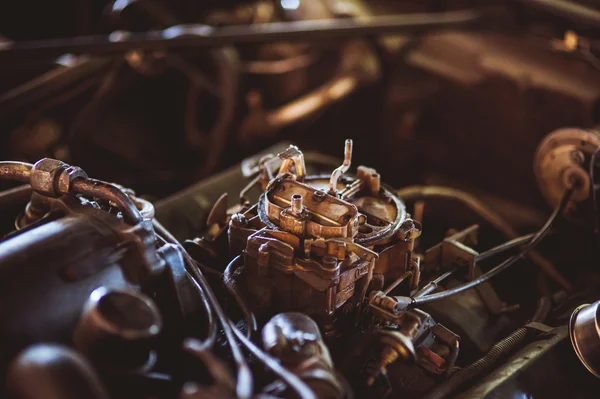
{"type": "Point", "coordinates": [316, 244]}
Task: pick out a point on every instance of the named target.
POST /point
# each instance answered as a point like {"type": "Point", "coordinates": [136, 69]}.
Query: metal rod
{"type": "Point", "coordinates": [397, 281]}
{"type": "Point", "coordinates": [197, 36]}
{"type": "Point", "coordinates": [568, 9]}
{"type": "Point", "coordinates": [343, 168]}
{"type": "Point", "coordinates": [432, 285]}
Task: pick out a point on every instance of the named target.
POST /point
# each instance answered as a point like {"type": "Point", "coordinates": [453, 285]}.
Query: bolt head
{"type": "Point", "coordinates": [43, 176]}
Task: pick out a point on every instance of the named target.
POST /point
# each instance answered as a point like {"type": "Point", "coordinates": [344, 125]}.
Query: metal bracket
{"type": "Point", "coordinates": [455, 251]}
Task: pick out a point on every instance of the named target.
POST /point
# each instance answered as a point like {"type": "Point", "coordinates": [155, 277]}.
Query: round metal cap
{"type": "Point", "coordinates": [585, 336]}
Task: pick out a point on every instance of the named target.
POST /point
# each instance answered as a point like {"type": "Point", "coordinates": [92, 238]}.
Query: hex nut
{"type": "Point", "coordinates": [43, 176]}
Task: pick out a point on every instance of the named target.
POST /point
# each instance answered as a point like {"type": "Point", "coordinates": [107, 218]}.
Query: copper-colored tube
{"type": "Point", "coordinates": [108, 192]}
{"type": "Point", "coordinates": [15, 171]}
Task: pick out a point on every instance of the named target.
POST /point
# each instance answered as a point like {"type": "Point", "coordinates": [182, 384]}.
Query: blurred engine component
{"type": "Point", "coordinates": [295, 339]}
{"type": "Point", "coordinates": [333, 230]}
{"type": "Point", "coordinates": [294, 274]}
{"type": "Point", "coordinates": [585, 335]}
{"type": "Point", "coordinates": [141, 317]}
{"type": "Point", "coordinates": [88, 249]}
{"type": "Point", "coordinates": [567, 157]}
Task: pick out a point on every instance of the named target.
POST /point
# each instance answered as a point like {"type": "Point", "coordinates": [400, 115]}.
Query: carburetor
{"type": "Point", "coordinates": [340, 249]}
{"type": "Point", "coordinates": [316, 244]}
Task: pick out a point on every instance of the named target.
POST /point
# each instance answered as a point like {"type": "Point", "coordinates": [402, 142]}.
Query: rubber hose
{"type": "Point", "coordinates": [490, 359]}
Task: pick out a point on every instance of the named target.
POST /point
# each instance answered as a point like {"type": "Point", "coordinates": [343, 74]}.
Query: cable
{"type": "Point", "coordinates": [230, 283]}
{"type": "Point", "coordinates": [244, 386]}
{"type": "Point", "coordinates": [502, 266]}
{"type": "Point", "coordinates": [413, 193]}
{"type": "Point", "coordinates": [211, 335]}
{"type": "Point", "coordinates": [504, 247]}
{"type": "Point", "coordinates": [485, 363]}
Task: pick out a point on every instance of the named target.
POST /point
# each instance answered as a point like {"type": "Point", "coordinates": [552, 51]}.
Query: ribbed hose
{"type": "Point", "coordinates": [490, 359]}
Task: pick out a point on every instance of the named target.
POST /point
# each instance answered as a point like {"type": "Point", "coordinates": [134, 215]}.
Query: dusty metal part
{"type": "Point", "coordinates": [310, 251]}
{"type": "Point", "coordinates": [585, 336]}
{"type": "Point", "coordinates": [455, 252]}
{"type": "Point", "coordinates": [340, 170]}
{"type": "Point", "coordinates": [296, 341]}
{"type": "Point", "coordinates": [413, 340]}
{"type": "Point", "coordinates": [53, 178]}
{"type": "Point", "coordinates": [327, 256]}
{"type": "Point", "coordinates": [292, 157]}
{"type": "Point", "coordinates": [562, 160]}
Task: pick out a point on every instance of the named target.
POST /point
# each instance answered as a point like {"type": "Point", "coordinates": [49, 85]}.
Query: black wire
{"type": "Point", "coordinates": [505, 247]}
{"type": "Point", "coordinates": [244, 376]}
{"type": "Point", "coordinates": [504, 265]}
{"type": "Point", "coordinates": [229, 281]}
{"type": "Point", "coordinates": [211, 335]}
{"type": "Point", "coordinates": [244, 385]}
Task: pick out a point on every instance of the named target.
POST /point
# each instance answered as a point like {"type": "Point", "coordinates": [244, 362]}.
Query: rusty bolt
{"type": "Point", "coordinates": [239, 220]}
{"type": "Point", "coordinates": [319, 195]}
{"type": "Point", "coordinates": [408, 230]}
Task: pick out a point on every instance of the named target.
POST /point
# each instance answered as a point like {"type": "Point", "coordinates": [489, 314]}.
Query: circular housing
{"type": "Point", "coordinates": [585, 336]}
{"type": "Point", "coordinates": [117, 328]}
{"type": "Point", "coordinates": [562, 161]}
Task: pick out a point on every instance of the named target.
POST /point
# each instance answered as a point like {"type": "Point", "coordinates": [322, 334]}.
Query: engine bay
{"type": "Point", "coordinates": [300, 199]}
